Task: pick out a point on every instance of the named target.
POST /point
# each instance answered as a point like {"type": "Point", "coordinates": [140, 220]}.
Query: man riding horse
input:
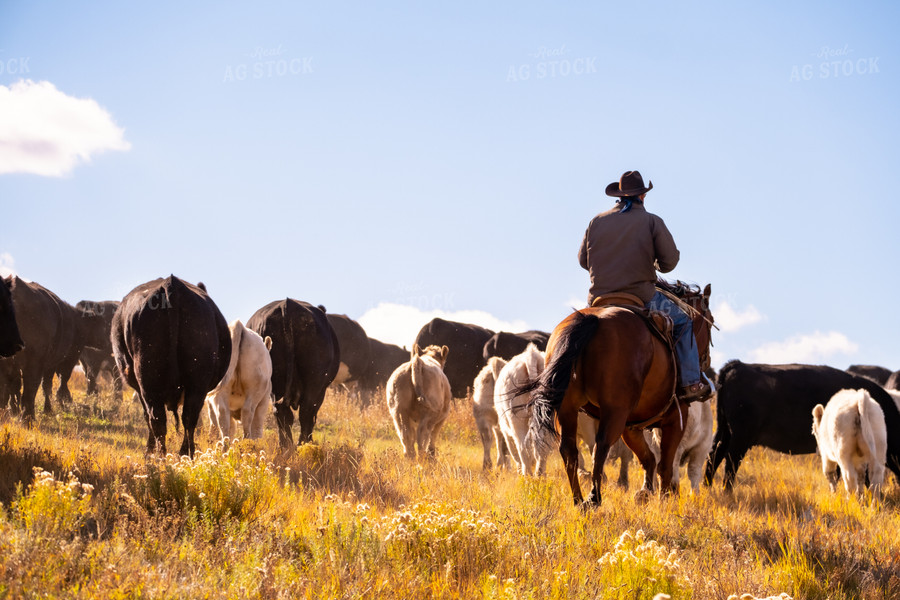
{"type": "Point", "coordinates": [622, 249]}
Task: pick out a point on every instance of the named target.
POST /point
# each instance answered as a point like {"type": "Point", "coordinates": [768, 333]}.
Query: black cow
{"type": "Point", "coordinates": [172, 345]}
{"type": "Point", "coordinates": [466, 343]}
{"type": "Point", "coordinates": [10, 339]}
{"type": "Point", "coordinates": [507, 345]}
{"type": "Point", "coordinates": [771, 406]}
{"type": "Point", "coordinates": [46, 329]}
{"type": "Point", "coordinates": [80, 330]}
{"type": "Point", "coordinates": [873, 372]}
{"type": "Point", "coordinates": [97, 354]}
{"type": "Point", "coordinates": [354, 348]}
{"type": "Point", "coordinates": [305, 359]}
{"type": "Point", "coordinates": [383, 360]}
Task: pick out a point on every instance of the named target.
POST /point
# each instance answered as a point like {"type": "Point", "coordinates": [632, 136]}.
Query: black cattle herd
{"type": "Point", "coordinates": [168, 340]}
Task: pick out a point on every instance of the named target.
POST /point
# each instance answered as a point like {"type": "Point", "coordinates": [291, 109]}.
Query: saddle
{"type": "Point", "coordinates": [659, 323]}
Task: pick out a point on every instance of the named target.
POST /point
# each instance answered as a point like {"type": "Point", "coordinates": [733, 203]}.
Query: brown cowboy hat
{"type": "Point", "coordinates": [631, 184]}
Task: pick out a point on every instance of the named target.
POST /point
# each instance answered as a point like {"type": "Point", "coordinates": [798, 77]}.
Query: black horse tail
{"type": "Point", "coordinates": [550, 388]}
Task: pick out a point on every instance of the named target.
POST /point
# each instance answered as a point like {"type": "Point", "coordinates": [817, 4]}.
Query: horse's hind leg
{"type": "Point", "coordinates": [606, 436]}
{"type": "Point", "coordinates": [568, 449]}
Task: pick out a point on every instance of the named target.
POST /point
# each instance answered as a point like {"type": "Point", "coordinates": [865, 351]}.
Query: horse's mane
{"type": "Point", "coordinates": [678, 287]}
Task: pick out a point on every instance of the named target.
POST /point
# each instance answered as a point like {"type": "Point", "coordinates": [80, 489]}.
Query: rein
{"type": "Point", "coordinates": [692, 312]}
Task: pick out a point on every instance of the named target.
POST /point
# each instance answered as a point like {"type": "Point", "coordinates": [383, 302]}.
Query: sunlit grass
{"type": "Point", "coordinates": [87, 514]}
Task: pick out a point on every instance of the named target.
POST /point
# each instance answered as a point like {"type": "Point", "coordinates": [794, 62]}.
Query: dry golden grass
{"type": "Point", "coordinates": [349, 517]}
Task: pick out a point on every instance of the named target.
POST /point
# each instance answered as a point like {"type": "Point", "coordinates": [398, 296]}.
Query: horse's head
{"type": "Point", "coordinates": [703, 324]}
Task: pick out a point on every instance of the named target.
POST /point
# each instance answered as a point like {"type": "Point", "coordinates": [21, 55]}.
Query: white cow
{"type": "Point", "coordinates": [514, 411]}
{"type": "Point", "coordinates": [245, 392]}
{"type": "Point", "coordinates": [851, 434]}
{"type": "Point", "coordinates": [486, 414]}
{"type": "Point", "coordinates": [694, 447]}
{"type": "Point", "coordinates": [418, 398]}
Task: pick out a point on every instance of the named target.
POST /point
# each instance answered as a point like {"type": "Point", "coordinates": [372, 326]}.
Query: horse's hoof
{"type": "Point", "coordinates": [642, 496]}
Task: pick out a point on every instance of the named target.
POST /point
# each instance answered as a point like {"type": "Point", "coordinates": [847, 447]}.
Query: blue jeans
{"type": "Point", "coordinates": [685, 345]}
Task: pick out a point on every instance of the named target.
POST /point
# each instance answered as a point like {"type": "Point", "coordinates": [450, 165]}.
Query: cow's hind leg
{"type": "Point", "coordinates": [720, 447]}
{"type": "Point", "coordinates": [671, 434]}
{"type": "Point", "coordinates": [624, 460]}
{"type": "Point", "coordinates": [284, 418]}
{"type": "Point", "coordinates": [156, 424]}
{"type": "Point", "coordinates": [484, 431]}
{"type": "Point", "coordinates": [831, 472]}
{"type": "Point", "coordinates": [190, 416]}
{"type": "Point", "coordinates": [258, 420]}
{"type": "Point", "coordinates": [634, 439]}
{"type": "Point", "coordinates": [31, 381]}
{"type": "Point", "coordinates": [423, 436]}
{"type": "Point", "coordinates": [436, 426]}
{"type": "Point", "coordinates": [310, 401]}
{"type": "Point", "coordinates": [733, 459]}
{"type": "Point", "coordinates": [47, 389]}
{"type": "Point", "coordinates": [502, 449]}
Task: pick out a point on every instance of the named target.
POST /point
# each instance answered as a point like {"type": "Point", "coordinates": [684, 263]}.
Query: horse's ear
{"type": "Point", "coordinates": [415, 351]}
{"type": "Point", "coordinates": [444, 352]}
{"type": "Point", "coordinates": [707, 290]}
{"type": "Point", "coordinates": [268, 342]}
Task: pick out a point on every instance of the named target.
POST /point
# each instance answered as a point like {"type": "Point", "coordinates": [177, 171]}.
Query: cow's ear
{"type": "Point", "coordinates": [817, 412]}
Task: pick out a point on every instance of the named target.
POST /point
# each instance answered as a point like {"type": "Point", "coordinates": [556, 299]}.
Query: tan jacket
{"type": "Point", "coordinates": [623, 251]}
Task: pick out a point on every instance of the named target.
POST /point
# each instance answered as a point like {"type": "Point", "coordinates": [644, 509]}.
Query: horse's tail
{"type": "Point", "coordinates": [550, 388]}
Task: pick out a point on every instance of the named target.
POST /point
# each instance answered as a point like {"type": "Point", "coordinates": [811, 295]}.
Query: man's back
{"type": "Point", "coordinates": [623, 250]}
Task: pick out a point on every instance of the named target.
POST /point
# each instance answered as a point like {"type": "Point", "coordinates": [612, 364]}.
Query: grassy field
{"type": "Point", "coordinates": [85, 514]}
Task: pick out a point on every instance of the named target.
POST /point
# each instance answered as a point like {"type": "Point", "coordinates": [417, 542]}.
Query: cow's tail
{"type": "Point", "coordinates": [169, 303]}
{"type": "Point", "coordinates": [550, 388]}
{"type": "Point", "coordinates": [866, 414]}
{"type": "Point", "coordinates": [236, 334]}
{"type": "Point", "coordinates": [417, 372]}
{"type": "Point", "coordinates": [287, 324]}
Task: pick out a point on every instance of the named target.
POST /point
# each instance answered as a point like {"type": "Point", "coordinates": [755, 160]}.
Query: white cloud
{"type": "Point", "coordinates": [810, 349]}
{"type": "Point", "coordinates": [730, 320]}
{"type": "Point", "coordinates": [7, 264]}
{"type": "Point", "coordinates": [46, 132]}
{"type": "Point", "coordinates": [399, 324]}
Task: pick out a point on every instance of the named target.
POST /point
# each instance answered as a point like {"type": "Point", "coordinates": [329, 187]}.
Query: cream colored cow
{"type": "Point", "coordinates": [486, 414]}
{"type": "Point", "coordinates": [851, 434]}
{"type": "Point", "coordinates": [418, 397]}
{"type": "Point", "coordinates": [245, 392]}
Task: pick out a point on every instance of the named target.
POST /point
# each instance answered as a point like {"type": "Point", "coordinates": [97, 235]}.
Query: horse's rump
{"type": "Point", "coordinates": [609, 352]}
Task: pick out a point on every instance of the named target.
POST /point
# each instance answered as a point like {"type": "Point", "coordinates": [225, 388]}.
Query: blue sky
{"type": "Point", "coordinates": [403, 160]}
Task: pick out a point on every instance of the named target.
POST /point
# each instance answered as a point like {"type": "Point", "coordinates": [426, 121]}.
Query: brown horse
{"type": "Point", "coordinates": [606, 361]}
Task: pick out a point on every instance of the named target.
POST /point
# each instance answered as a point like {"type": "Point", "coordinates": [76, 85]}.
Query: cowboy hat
{"type": "Point", "coordinates": [631, 184]}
